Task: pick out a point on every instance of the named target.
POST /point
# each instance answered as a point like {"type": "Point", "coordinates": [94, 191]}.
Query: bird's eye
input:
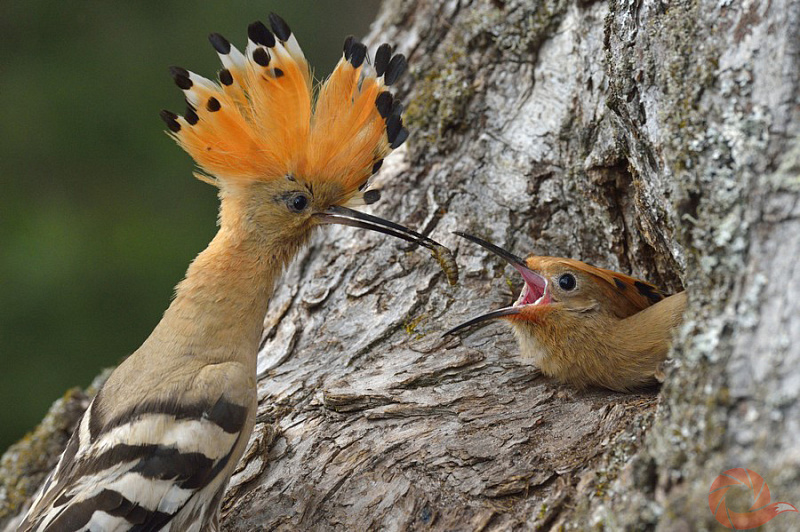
{"type": "Point", "coordinates": [298, 203]}
{"type": "Point", "coordinates": [567, 282]}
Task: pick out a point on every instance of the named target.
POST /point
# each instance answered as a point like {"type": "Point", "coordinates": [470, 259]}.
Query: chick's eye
{"type": "Point", "coordinates": [567, 282]}
{"type": "Point", "coordinates": [298, 203]}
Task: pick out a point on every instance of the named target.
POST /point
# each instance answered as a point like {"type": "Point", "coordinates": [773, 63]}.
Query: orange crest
{"type": "Point", "coordinates": [261, 120]}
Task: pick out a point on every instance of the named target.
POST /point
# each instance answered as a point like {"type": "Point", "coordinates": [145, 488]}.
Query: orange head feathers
{"type": "Point", "coordinates": [587, 325]}
{"type": "Point", "coordinates": [260, 121]}
{"type": "Point", "coordinates": [284, 159]}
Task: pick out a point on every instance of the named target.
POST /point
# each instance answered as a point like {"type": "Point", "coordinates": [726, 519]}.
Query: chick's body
{"type": "Point", "coordinates": [598, 348]}
{"type": "Point", "coordinates": [588, 326]}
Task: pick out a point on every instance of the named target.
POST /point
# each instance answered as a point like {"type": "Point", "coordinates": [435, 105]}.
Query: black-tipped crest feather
{"type": "Point", "coordinates": [382, 58]}
{"type": "Point", "coordinates": [395, 69]}
{"type": "Point", "coordinates": [280, 27]}
{"type": "Point", "coordinates": [259, 34]}
{"type": "Point", "coordinates": [220, 43]}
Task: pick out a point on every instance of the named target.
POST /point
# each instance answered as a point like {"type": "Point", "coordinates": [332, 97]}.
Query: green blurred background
{"type": "Point", "coordinates": [99, 213]}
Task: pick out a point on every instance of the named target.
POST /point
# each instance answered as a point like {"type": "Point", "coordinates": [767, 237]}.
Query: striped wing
{"type": "Point", "coordinates": [141, 470]}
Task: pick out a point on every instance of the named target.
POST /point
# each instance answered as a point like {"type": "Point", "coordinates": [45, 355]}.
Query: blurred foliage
{"type": "Point", "coordinates": [99, 213]}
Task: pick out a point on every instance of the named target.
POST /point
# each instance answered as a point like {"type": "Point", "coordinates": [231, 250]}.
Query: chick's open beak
{"type": "Point", "coordinates": [535, 291]}
{"type": "Point", "coordinates": [344, 216]}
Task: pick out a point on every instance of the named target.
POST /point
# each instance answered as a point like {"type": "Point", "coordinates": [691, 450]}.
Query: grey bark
{"type": "Point", "coordinates": [654, 138]}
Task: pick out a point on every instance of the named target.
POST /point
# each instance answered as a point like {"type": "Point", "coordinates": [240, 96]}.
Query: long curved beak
{"type": "Point", "coordinates": [344, 216]}
{"type": "Point", "coordinates": [534, 292]}
{"type": "Point", "coordinates": [493, 315]}
{"type": "Point", "coordinates": [500, 252]}
{"type": "Point", "coordinates": [533, 279]}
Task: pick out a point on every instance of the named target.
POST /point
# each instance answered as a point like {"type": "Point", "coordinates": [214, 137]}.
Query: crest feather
{"type": "Point", "coordinates": [260, 122]}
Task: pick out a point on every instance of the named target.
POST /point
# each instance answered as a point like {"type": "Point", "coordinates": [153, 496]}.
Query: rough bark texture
{"type": "Point", "coordinates": [655, 138]}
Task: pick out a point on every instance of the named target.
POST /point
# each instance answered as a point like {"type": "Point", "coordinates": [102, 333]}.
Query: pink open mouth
{"type": "Point", "coordinates": [535, 291]}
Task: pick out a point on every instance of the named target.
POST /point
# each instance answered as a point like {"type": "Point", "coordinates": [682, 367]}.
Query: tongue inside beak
{"type": "Point", "coordinates": [535, 290]}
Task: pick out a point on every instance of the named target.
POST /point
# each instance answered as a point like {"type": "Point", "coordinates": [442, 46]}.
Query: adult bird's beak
{"type": "Point", "coordinates": [535, 291]}
{"type": "Point", "coordinates": [343, 216]}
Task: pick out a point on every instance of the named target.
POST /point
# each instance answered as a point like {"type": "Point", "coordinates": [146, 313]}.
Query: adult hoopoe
{"type": "Point", "coordinates": [158, 444]}
{"type": "Point", "coordinates": [587, 326]}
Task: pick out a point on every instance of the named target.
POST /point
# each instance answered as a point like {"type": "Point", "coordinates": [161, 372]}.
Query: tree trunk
{"type": "Point", "coordinates": [651, 137]}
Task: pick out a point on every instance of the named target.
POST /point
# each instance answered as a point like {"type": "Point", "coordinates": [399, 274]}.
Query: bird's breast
{"type": "Point", "coordinates": [530, 347]}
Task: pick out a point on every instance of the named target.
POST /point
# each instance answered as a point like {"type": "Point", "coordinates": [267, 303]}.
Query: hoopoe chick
{"type": "Point", "coordinates": [587, 326]}
{"type": "Point", "coordinates": [158, 444]}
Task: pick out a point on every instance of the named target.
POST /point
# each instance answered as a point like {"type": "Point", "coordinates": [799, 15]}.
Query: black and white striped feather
{"type": "Point", "coordinates": [157, 466]}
